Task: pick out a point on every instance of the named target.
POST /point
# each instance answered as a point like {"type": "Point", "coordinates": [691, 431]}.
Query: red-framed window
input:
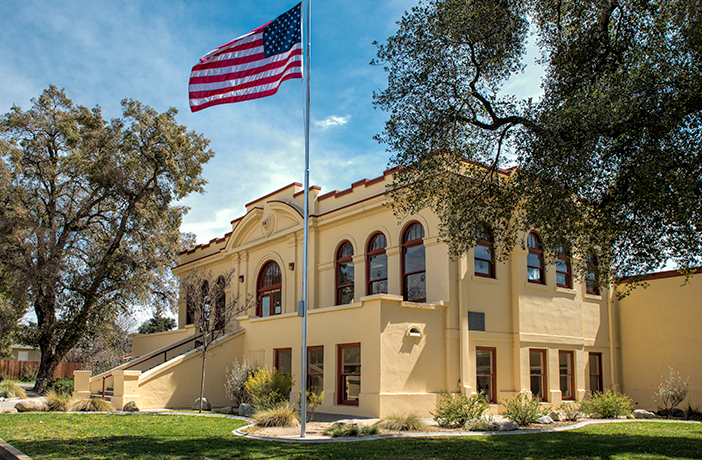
{"type": "Point", "coordinates": [414, 285]}
{"type": "Point", "coordinates": [344, 274]}
{"type": "Point", "coordinates": [377, 263]}
{"type": "Point", "coordinates": [537, 374]}
{"type": "Point", "coordinates": [592, 284]}
{"type": "Point", "coordinates": [483, 255]}
{"type": "Point", "coordinates": [535, 259]}
{"type": "Point", "coordinates": [315, 369]}
{"type": "Point", "coordinates": [566, 375]}
{"type": "Point", "coordinates": [564, 277]}
{"type": "Point", "coordinates": [283, 360]}
{"type": "Point", "coordinates": [595, 365]}
{"type": "Point", "coordinates": [269, 290]}
{"type": "Point", "coordinates": [349, 373]}
{"type": "Point", "coordinates": [486, 372]}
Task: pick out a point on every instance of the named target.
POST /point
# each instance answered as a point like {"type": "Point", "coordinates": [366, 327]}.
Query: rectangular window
{"type": "Point", "coordinates": [566, 375]}
{"type": "Point", "coordinates": [476, 321]}
{"type": "Point", "coordinates": [537, 374]}
{"type": "Point", "coordinates": [485, 373]}
{"type": "Point", "coordinates": [283, 360]}
{"type": "Point", "coordinates": [349, 373]}
{"type": "Point", "coordinates": [22, 356]}
{"type": "Point", "coordinates": [315, 369]}
{"type": "Point", "coordinates": [596, 384]}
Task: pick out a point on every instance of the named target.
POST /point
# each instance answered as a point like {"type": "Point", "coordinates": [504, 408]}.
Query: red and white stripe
{"type": "Point", "coordinates": [239, 71]}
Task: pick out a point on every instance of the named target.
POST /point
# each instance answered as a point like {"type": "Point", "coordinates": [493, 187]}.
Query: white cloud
{"type": "Point", "coordinates": [332, 120]}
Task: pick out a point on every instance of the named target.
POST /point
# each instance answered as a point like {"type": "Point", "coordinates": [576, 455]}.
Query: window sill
{"type": "Point", "coordinates": [543, 287]}
{"type": "Point", "coordinates": [592, 296]}
{"type": "Point", "coordinates": [485, 279]}
{"type": "Point", "coordinates": [564, 290]}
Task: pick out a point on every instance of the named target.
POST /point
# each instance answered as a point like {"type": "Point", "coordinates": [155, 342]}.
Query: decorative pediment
{"type": "Point", "coordinates": [265, 222]}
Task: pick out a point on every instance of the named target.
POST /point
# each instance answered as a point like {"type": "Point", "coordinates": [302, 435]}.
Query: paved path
{"type": "Point", "coordinates": [31, 394]}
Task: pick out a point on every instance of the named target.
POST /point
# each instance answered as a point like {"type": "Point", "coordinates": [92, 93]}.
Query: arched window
{"type": "Point", "coordinates": [535, 260]}
{"type": "Point", "coordinates": [269, 285]}
{"type": "Point", "coordinates": [413, 264]}
{"type": "Point", "coordinates": [483, 255]}
{"type": "Point", "coordinates": [563, 271]}
{"type": "Point", "coordinates": [592, 285]}
{"type": "Point", "coordinates": [344, 274]}
{"type": "Point", "coordinates": [221, 304]}
{"type": "Point", "coordinates": [377, 265]}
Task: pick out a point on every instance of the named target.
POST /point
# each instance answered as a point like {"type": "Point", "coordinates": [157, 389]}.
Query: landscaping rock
{"type": "Point", "coordinates": [31, 405]}
{"type": "Point", "coordinates": [205, 404]}
{"type": "Point", "coordinates": [8, 410]}
{"type": "Point", "coordinates": [504, 425]}
{"type": "Point", "coordinates": [130, 407]}
{"type": "Point", "coordinates": [545, 420]}
{"type": "Point", "coordinates": [557, 416]}
{"type": "Point", "coordinates": [641, 413]}
{"type": "Point", "coordinates": [226, 410]}
{"type": "Point", "coordinates": [246, 409]}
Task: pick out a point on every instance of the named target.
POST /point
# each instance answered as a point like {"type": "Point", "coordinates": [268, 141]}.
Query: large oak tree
{"type": "Point", "coordinates": [608, 158]}
{"type": "Point", "coordinates": [87, 216]}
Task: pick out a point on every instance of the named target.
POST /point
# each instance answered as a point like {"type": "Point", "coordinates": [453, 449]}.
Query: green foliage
{"type": "Point", "coordinates": [607, 404]}
{"type": "Point", "coordinates": [57, 401]}
{"type": "Point", "coordinates": [282, 415]}
{"type": "Point", "coordinates": [454, 410]}
{"type": "Point", "coordinates": [480, 424]}
{"type": "Point", "coordinates": [236, 377]}
{"type": "Point", "coordinates": [403, 422]}
{"type": "Point", "coordinates": [28, 374]}
{"type": "Point", "coordinates": [268, 388]}
{"type": "Point", "coordinates": [90, 405]}
{"type": "Point", "coordinates": [11, 390]}
{"type": "Point", "coordinates": [618, 126]}
{"type": "Point", "coordinates": [106, 191]}
{"type": "Point", "coordinates": [671, 391]}
{"type": "Point", "coordinates": [314, 400]}
{"type": "Point", "coordinates": [346, 430]}
{"type": "Point", "coordinates": [62, 386]}
{"type": "Point", "coordinates": [523, 410]}
{"type": "Point", "coordinates": [157, 324]}
{"type": "Point", "coordinates": [571, 410]}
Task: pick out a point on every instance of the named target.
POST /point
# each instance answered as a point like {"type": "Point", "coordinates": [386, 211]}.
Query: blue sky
{"type": "Point", "coordinates": [104, 51]}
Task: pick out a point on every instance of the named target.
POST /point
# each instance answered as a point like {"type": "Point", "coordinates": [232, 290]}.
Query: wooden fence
{"type": "Point", "coordinates": [14, 369]}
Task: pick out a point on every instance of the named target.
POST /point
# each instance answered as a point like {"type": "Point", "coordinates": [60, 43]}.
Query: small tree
{"type": "Point", "coordinates": [671, 392]}
{"type": "Point", "coordinates": [210, 309]}
{"type": "Point", "coordinates": [156, 324]}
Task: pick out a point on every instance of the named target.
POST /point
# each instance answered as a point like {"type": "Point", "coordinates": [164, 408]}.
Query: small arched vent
{"type": "Point", "coordinates": [415, 331]}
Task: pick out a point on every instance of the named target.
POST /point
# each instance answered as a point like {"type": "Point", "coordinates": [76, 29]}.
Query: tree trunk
{"type": "Point", "coordinates": [47, 368]}
{"type": "Point", "coordinates": [202, 379]}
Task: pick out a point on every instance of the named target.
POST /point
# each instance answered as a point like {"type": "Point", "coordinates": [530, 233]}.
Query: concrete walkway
{"type": "Point", "coordinates": [9, 403]}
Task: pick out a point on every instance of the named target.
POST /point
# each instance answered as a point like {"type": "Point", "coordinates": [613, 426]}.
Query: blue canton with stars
{"type": "Point", "coordinates": [282, 33]}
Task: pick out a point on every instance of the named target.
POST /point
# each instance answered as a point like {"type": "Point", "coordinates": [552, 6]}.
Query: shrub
{"type": "Point", "coordinates": [455, 410]}
{"type": "Point", "coordinates": [28, 374]}
{"type": "Point", "coordinates": [3, 374]}
{"type": "Point", "coordinates": [344, 430]}
{"type": "Point", "coordinates": [671, 391]}
{"type": "Point", "coordinates": [523, 410]}
{"type": "Point", "coordinates": [607, 404]}
{"type": "Point", "coordinates": [403, 422]}
{"type": "Point", "coordinates": [693, 414]}
{"type": "Point", "coordinates": [235, 386]}
{"type": "Point", "coordinates": [57, 402]}
{"type": "Point", "coordinates": [313, 401]}
{"type": "Point", "coordinates": [10, 389]}
{"type": "Point", "coordinates": [61, 386]}
{"type": "Point", "coordinates": [479, 424]}
{"type": "Point", "coordinates": [268, 388]}
{"type": "Point", "coordinates": [283, 415]}
{"type": "Point", "coordinates": [90, 405]}
{"type": "Point", "coordinates": [571, 410]}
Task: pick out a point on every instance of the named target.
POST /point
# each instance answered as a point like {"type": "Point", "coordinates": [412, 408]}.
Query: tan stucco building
{"type": "Point", "coordinates": [393, 320]}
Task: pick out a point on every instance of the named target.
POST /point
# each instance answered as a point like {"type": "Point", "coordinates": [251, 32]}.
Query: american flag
{"type": "Point", "coordinates": [251, 66]}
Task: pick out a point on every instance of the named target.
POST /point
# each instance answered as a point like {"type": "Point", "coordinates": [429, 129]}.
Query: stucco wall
{"type": "Point", "coordinates": [143, 344]}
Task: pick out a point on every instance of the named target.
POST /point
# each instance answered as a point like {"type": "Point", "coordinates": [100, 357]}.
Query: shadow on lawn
{"type": "Point", "coordinates": [684, 443]}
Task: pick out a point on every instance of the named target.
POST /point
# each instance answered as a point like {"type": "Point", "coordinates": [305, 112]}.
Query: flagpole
{"type": "Point", "coordinates": [306, 39]}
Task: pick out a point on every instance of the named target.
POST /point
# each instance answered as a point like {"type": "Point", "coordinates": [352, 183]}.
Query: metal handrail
{"type": "Point", "coordinates": [148, 357]}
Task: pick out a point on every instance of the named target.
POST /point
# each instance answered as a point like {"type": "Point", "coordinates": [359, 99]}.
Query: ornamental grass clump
{"type": "Point", "coordinates": [90, 405]}
{"type": "Point", "coordinates": [455, 410]}
{"type": "Point", "coordinates": [57, 402]}
{"type": "Point", "coordinates": [346, 430]}
{"type": "Point", "coordinates": [10, 389]}
{"type": "Point", "coordinates": [523, 410]}
{"type": "Point", "coordinates": [606, 404]}
{"type": "Point", "coordinates": [282, 415]}
{"type": "Point", "coordinates": [402, 422]}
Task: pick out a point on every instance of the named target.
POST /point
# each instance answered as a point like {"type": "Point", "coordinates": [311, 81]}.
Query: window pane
{"type": "Point", "coordinates": [416, 287]}
{"type": "Point", "coordinates": [316, 383]}
{"type": "Point", "coordinates": [482, 252]}
{"type": "Point", "coordinates": [265, 305]}
{"type": "Point", "coordinates": [351, 387]}
{"type": "Point", "coordinates": [482, 267]}
{"type": "Point", "coordinates": [351, 360]}
{"type": "Point", "coordinates": [378, 267]}
{"type": "Point", "coordinates": [346, 273]}
{"type": "Point", "coordinates": [346, 295]}
{"type": "Point", "coordinates": [561, 266]}
{"type": "Point", "coordinates": [483, 362]}
{"type": "Point", "coordinates": [534, 274]}
{"type": "Point", "coordinates": [536, 390]}
{"type": "Point", "coordinates": [316, 361]}
{"type": "Point", "coordinates": [483, 386]}
{"type": "Point", "coordinates": [562, 279]}
{"type": "Point", "coordinates": [414, 259]}
{"type": "Point", "coordinates": [533, 260]}
{"type": "Point", "coordinates": [285, 362]}
{"type": "Point", "coordinates": [379, 287]}
{"type": "Point", "coordinates": [535, 362]}
{"type": "Point", "coordinates": [277, 308]}
{"type": "Point", "coordinates": [565, 387]}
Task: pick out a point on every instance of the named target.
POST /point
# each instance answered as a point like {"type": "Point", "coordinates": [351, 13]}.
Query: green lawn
{"type": "Point", "coordinates": [97, 436]}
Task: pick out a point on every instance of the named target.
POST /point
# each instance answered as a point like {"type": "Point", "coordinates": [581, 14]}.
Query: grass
{"type": "Point", "coordinates": [150, 437]}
